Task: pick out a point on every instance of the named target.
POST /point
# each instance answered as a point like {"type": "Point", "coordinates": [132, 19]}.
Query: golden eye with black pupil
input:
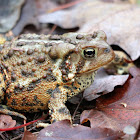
{"type": "Point", "coordinates": [89, 53]}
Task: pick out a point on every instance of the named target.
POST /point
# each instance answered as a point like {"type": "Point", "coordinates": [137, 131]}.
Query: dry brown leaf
{"type": "Point", "coordinates": [103, 83]}
{"type": "Point", "coordinates": [6, 121]}
{"type": "Point", "coordinates": [111, 113]}
{"type": "Point", "coordinates": [121, 22]}
{"type": "Point", "coordinates": [64, 130]}
{"type": "Point", "coordinates": [28, 136]}
{"type": "Point", "coordinates": [123, 29]}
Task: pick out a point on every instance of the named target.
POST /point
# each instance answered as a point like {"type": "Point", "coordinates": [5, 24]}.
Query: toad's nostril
{"type": "Point", "coordinates": [107, 50]}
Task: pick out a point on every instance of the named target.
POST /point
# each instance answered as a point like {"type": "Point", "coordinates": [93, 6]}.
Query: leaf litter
{"type": "Point", "coordinates": [64, 130]}
{"type": "Point", "coordinates": [110, 111]}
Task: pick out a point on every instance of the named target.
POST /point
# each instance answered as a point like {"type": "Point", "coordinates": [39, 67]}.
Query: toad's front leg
{"type": "Point", "coordinates": [56, 105]}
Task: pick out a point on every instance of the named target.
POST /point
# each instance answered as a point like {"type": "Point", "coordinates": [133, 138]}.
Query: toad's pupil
{"type": "Point", "coordinates": [89, 53]}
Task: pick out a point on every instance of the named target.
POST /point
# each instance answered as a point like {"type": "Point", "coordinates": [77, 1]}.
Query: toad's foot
{"type": "Point", "coordinates": [120, 65]}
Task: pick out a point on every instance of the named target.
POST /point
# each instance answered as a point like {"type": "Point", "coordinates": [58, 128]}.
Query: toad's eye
{"type": "Point", "coordinates": [89, 53]}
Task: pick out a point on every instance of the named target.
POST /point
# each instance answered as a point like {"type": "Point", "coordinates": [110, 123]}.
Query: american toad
{"type": "Point", "coordinates": [43, 71]}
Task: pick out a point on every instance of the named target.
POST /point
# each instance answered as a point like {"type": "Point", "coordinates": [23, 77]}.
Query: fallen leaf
{"type": "Point", "coordinates": [110, 113]}
{"type": "Point", "coordinates": [64, 130]}
{"type": "Point", "coordinates": [9, 14]}
{"type": "Point", "coordinates": [44, 6]}
{"type": "Point", "coordinates": [134, 71]}
{"type": "Point", "coordinates": [6, 121]}
{"type": "Point", "coordinates": [28, 17]}
{"type": "Point", "coordinates": [28, 136]}
{"type": "Point", "coordinates": [120, 21]}
{"type": "Point", "coordinates": [125, 34]}
{"type": "Point", "coordinates": [103, 83]}
{"type": "Point", "coordinates": [75, 17]}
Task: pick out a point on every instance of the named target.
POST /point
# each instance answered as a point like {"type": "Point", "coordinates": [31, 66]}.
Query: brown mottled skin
{"type": "Point", "coordinates": [43, 71]}
{"type": "Point", "coordinates": [120, 65]}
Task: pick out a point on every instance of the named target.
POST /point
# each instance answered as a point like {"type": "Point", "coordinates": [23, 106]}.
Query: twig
{"type": "Point", "coordinates": [53, 28]}
{"type": "Point", "coordinates": [137, 133]}
{"type": "Point", "coordinates": [76, 109]}
{"type": "Point", "coordinates": [66, 5]}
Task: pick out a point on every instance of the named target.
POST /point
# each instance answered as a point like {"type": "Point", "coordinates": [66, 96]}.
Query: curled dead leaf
{"type": "Point", "coordinates": [6, 121]}
{"type": "Point", "coordinates": [28, 136]}
{"type": "Point", "coordinates": [64, 130]}
{"type": "Point", "coordinates": [103, 83]}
